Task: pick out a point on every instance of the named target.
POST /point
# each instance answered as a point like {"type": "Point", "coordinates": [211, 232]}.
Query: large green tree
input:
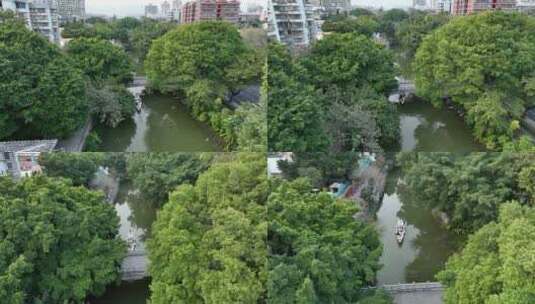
{"type": "Point", "coordinates": [100, 60]}
{"type": "Point", "coordinates": [497, 265]}
{"type": "Point", "coordinates": [349, 61]}
{"type": "Point", "coordinates": [318, 253]}
{"type": "Point", "coordinates": [485, 64]}
{"type": "Point", "coordinates": [80, 168]}
{"type": "Point", "coordinates": [208, 244]}
{"type": "Point", "coordinates": [295, 122]}
{"type": "Point", "coordinates": [58, 243]}
{"type": "Point", "coordinates": [414, 28]}
{"type": "Point", "coordinates": [41, 93]}
{"type": "Point", "coordinates": [206, 63]}
{"type": "Point", "coordinates": [158, 174]}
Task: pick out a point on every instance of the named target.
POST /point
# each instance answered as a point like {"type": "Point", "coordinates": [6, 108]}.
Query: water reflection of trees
{"type": "Point", "coordinates": [434, 243]}
{"type": "Point", "coordinates": [143, 212]}
{"type": "Point", "coordinates": [118, 138]}
{"type": "Point", "coordinates": [438, 126]}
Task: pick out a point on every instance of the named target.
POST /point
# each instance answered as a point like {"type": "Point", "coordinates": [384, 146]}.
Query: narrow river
{"type": "Point", "coordinates": [162, 125]}
{"type": "Point", "coordinates": [427, 245]}
{"type": "Point", "coordinates": [430, 129]}
{"type": "Point", "coordinates": [136, 217]}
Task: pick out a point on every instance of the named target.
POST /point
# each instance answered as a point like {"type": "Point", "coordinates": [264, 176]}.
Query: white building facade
{"type": "Point", "coordinates": [39, 15]}
{"type": "Point", "coordinates": [71, 10]}
{"type": "Point", "coordinates": [293, 22]}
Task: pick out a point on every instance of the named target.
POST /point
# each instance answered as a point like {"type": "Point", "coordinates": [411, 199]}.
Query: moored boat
{"type": "Point", "coordinates": [400, 231]}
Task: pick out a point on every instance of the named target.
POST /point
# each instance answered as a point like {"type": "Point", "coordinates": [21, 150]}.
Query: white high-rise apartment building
{"type": "Point", "coordinates": [525, 5]}
{"type": "Point", "coordinates": [441, 6]}
{"type": "Point", "coordinates": [71, 10]}
{"type": "Point", "coordinates": [293, 22]}
{"type": "Point", "coordinates": [39, 15]}
{"type": "Point", "coordinates": [335, 6]}
{"type": "Point", "coordinates": [166, 10]}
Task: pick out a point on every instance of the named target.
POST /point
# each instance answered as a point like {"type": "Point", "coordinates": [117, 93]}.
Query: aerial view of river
{"type": "Point", "coordinates": [427, 244]}
{"type": "Point", "coordinates": [162, 125]}
{"type": "Point", "coordinates": [136, 217]}
{"type": "Point", "coordinates": [430, 129]}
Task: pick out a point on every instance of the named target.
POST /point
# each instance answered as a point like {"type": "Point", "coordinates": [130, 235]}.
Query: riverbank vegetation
{"type": "Point", "coordinates": [333, 97]}
{"type": "Point", "coordinates": [487, 198]}
{"type": "Point", "coordinates": [206, 64]}
{"type": "Point", "coordinates": [58, 243]}
{"type": "Point", "coordinates": [223, 215]}
{"type": "Point", "coordinates": [496, 265]}
{"type": "Point", "coordinates": [469, 189]}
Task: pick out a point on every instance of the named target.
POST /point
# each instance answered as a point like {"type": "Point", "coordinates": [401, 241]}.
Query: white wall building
{"type": "Point", "coordinates": [21, 158]}
{"type": "Point", "coordinates": [39, 15]}
{"type": "Point", "coordinates": [525, 5]}
{"type": "Point", "coordinates": [293, 22]}
{"type": "Point", "coordinates": [71, 10]}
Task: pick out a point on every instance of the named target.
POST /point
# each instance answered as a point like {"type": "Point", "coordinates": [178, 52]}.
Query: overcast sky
{"type": "Point", "coordinates": [132, 7]}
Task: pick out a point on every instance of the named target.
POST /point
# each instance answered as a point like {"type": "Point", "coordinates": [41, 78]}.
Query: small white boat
{"type": "Point", "coordinates": [400, 231]}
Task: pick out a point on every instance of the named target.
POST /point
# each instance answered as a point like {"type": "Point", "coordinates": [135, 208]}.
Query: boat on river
{"type": "Point", "coordinates": [400, 231]}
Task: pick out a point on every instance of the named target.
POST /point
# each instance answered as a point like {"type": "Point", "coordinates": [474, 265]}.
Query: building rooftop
{"type": "Point", "coordinates": [28, 145]}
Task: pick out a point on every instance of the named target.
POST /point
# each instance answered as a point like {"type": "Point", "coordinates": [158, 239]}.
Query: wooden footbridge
{"type": "Point", "coordinates": [135, 266]}
{"type": "Point", "coordinates": [414, 293]}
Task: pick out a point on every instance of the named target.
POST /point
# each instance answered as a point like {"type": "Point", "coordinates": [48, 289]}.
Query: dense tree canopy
{"type": "Point", "coordinates": [157, 174]}
{"type": "Point", "coordinates": [389, 22]}
{"type": "Point", "coordinates": [318, 253]}
{"type": "Point", "coordinates": [413, 29]}
{"type": "Point", "coordinates": [216, 234]}
{"type": "Point", "coordinates": [469, 189]}
{"type": "Point", "coordinates": [497, 265]}
{"type": "Point", "coordinates": [350, 61]}
{"type": "Point", "coordinates": [100, 59]}
{"type": "Point", "coordinates": [295, 122]}
{"type": "Point", "coordinates": [321, 168]}
{"type": "Point", "coordinates": [206, 63]}
{"type": "Point", "coordinates": [484, 63]}
{"type": "Point", "coordinates": [80, 168]}
{"type": "Point", "coordinates": [203, 52]}
{"type": "Point", "coordinates": [41, 93]}
{"type": "Point", "coordinates": [364, 25]}
{"type": "Point", "coordinates": [332, 98]}
{"type": "Point", "coordinates": [58, 243]}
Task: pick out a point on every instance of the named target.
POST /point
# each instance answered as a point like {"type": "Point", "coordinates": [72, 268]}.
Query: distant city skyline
{"type": "Point", "coordinates": [135, 7]}
{"type": "Point", "coordinates": [387, 4]}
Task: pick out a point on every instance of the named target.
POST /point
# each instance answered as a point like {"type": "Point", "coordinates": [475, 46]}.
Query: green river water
{"type": "Point", "coordinates": [427, 244]}
{"type": "Point", "coordinates": [162, 125]}
{"type": "Point", "coordinates": [136, 217]}
{"type": "Point", "coordinates": [429, 129]}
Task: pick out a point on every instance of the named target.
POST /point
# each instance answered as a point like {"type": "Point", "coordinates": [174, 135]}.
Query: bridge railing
{"type": "Point", "coordinates": [408, 287]}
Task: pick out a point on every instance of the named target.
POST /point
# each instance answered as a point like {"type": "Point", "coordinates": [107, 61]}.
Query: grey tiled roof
{"type": "Point", "coordinates": [28, 145]}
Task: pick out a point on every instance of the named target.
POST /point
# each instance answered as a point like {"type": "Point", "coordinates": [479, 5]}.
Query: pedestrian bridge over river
{"type": "Point", "coordinates": [414, 293]}
{"type": "Point", "coordinates": [135, 266]}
